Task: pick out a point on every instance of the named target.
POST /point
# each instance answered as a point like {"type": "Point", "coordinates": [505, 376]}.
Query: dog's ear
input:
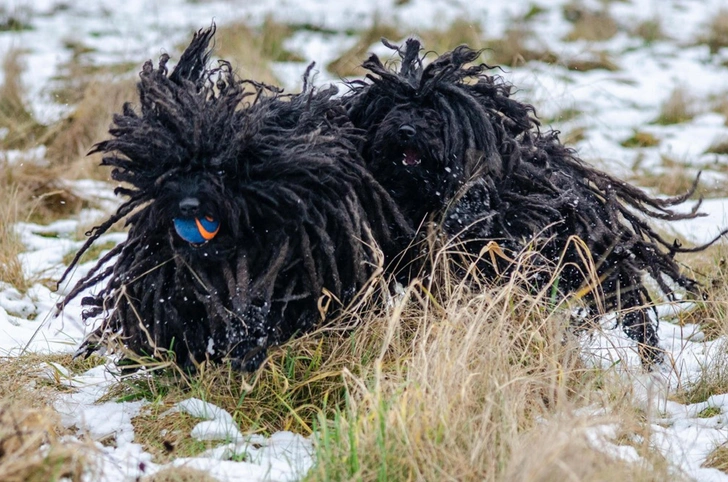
{"type": "Point", "coordinates": [192, 63]}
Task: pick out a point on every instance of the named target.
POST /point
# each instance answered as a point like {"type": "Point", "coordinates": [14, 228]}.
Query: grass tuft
{"type": "Point", "coordinates": [167, 435]}
{"type": "Point", "coordinates": [21, 129]}
{"type": "Point", "coordinates": [349, 63]}
{"type": "Point", "coordinates": [711, 313]}
{"type": "Point", "coordinates": [460, 31]}
{"type": "Point", "coordinates": [596, 60]}
{"type": "Point", "coordinates": [719, 104]}
{"type": "Point", "coordinates": [80, 70]}
{"type": "Point", "coordinates": [15, 18]}
{"type": "Point", "coordinates": [675, 179]}
{"type": "Point", "coordinates": [718, 458]}
{"type": "Point", "coordinates": [464, 379]}
{"type": "Point", "coordinates": [592, 26]}
{"type": "Point", "coordinates": [253, 49]}
{"type": "Point", "coordinates": [89, 122]}
{"type": "Point", "coordinates": [41, 194]}
{"type": "Point", "coordinates": [709, 412]}
{"type": "Point", "coordinates": [641, 139]}
{"type": "Point", "coordinates": [512, 49]}
{"type": "Point", "coordinates": [30, 450]}
{"type": "Point", "coordinates": [11, 269]}
{"type": "Point", "coordinates": [713, 379]}
{"type": "Point", "coordinates": [678, 108]}
{"type": "Point", "coordinates": [650, 31]}
{"type": "Point", "coordinates": [719, 146]}
{"type": "Point", "coordinates": [716, 32]}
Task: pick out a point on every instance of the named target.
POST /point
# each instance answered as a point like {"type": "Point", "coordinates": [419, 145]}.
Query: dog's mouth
{"type": "Point", "coordinates": [411, 157]}
{"type": "Point", "coordinates": [197, 231]}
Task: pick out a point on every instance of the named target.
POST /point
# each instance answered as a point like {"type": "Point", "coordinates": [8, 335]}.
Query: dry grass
{"type": "Point", "coordinates": [711, 268]}
{"type": "Point", "coordinates": [30, 450]}
{"type": "Point", "coordinates": [88, 124]}
{"type": "Point", "coordinates": [595, 60]}
{"type": "Point", "coordinates": [676, 176]}
{"type": "Point", "coordinates": [167, 435]}
{"type": "Point", "coordinates": [716, 36]}
{"type": "Point", "coordinates": [21, 381]}
{"type": "Point", "coordinates": [79, 71]}
{"type": "Point", "coordinates": [21, 128]}
{"type": "Point", "coordinates": [718, 458]}
{"type": "Point", "coordinates": [670, 181]}
{"type": "Point", "coordinates": [40, 193]}
{"type": "Point", "coordinates": [451, 381]}
{"type": "Point", "coordinates": [460, 31]}
{"type": "Point", "coordinates": [561, 450]}
{"type": "Point", "coordinates": [349, 63]}
{"type": "Point", "coordinates": [650, 31]}
{"type": "Point", "coordinates": [572, 136]}
{"type": "Point", "coordinates": [719, 104]}
{"type": "Point", "coordinates": [251, 50]}
{"type": "Point", "coordinates": [593, 26]}
{"type": "Point", "coordinates": [11, 270]}
{"type": "Point", "coordinates": [511, 49]}
{"type": "Point", "coordinates": [713, 380]}
{"type": "Point", "coordinates": [679, 107]}
{"type": "Point", "coordinates": [641, 139]}
{"type": "Point", "coordinates": [719, 146]}
{"type": "Point", "coordinates": [460, 389]}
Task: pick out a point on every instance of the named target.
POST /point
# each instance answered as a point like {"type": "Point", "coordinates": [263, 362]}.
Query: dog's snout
{"type": "Point", "coordinates": [406, 132]}
{"type": "Point", "coordinates": [189, 206]}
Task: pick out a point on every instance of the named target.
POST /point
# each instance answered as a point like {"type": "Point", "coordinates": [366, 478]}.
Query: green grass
{"type": "Point", "coordinates": [709, 412]}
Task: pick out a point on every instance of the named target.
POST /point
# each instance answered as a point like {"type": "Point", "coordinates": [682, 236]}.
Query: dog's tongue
{"type": "Point", "coordinates": [196, 230]}
{"type": "Point", "coordinates": [410, 157]}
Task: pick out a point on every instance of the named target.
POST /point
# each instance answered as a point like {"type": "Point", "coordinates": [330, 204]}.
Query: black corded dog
{"type": "Point", "coordinates": [450, 144]}
{"type": "Point", "coordinates": [244, 209]}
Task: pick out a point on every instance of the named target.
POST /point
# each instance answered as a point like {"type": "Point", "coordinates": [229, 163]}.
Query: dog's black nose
{"type": "Point", "coordinates": [406, 132]}
{"type": "Point", "coordinates": [189, 206]}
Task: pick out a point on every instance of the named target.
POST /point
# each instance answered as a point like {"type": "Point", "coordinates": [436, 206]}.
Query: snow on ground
{"type": "Point", "coordinates": [611, 106]}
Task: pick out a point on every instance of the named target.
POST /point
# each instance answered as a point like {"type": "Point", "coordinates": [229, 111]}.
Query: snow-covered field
{"type": "Point", "coordinates": [611, 105]}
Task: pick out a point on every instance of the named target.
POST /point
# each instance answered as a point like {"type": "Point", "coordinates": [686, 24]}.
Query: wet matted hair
{"type": "Point", "coordinates": [451, 145]}
{"type": "Point", "coordinates": [244, 207]}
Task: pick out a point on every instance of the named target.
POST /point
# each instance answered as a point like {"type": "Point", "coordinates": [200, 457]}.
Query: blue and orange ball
{"type": "Point", "coordinates": [197, 230]}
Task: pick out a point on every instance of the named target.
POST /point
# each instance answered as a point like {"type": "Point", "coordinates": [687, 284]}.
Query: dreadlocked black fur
{"type": "Point", "coordinates": [297, 213]}
{"type": "Point", "coordinates": [450, 144]}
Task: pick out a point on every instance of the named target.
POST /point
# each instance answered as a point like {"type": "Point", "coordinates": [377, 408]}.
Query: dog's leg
{"type": "Point", "coordinates": [634, 301]}
{"type": "Point", "coordinates": [622, 290]}
{"type": "Point", "coordinates": [637, 325]}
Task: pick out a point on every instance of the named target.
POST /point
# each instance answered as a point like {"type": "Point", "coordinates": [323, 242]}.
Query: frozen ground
{"type": "Point", "coordinates": [611, 105]}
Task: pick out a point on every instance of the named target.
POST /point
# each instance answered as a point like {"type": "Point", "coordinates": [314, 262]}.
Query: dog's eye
{"type": "Point", "coordinates": [221, 172]}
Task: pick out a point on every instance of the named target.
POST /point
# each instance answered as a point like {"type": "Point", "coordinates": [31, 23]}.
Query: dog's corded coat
{"type": "Point", "coordinates": [449, 142]}
{"type": "Point", "coordinates": [298, 214]}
